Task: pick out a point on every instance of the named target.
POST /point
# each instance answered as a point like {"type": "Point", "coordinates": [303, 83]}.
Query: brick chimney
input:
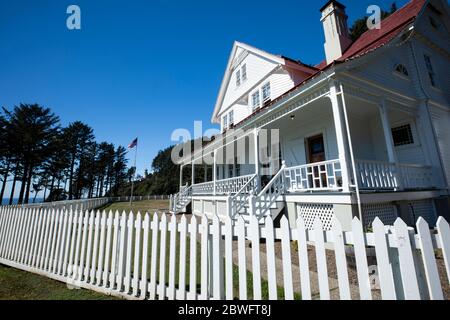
{"type": "Point", "coordinates": [337, 38]}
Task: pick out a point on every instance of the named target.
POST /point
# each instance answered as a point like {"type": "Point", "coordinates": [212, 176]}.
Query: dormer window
{"type": "Point", "coordinates": [238, 78]}
{"type": "Point", "coordinates": [256, 102]}
{"type": "Point", "coordinates": [401, 69]}
{"type": "Point", "coordinates": [231, 118]}
{"type": "Point", "coordinates": [244, 72]}
{"type": "Point", "coordinates": [225, 122]}
{"type": "Point", "coordinates": [266, 92]}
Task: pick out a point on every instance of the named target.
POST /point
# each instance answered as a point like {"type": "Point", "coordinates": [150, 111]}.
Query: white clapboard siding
{"type": "Point", "coordinates": [120, 254]}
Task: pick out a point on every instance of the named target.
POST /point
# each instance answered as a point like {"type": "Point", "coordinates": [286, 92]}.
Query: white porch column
{"type": "Point", "coordinates": [387, 131]}
{"type": "Point", "coordinates": [256, 150]}
{"type": "Point", "coordinates": [215, 171]}
{"type": "Point", "coordinates": [340, 137]}
{"type": "Point", "coordinates": [181, 176]}
{"type": "Point", "coordinates": [193, 173]}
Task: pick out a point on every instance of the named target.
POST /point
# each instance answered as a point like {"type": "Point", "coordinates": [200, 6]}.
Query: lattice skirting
{"type": "Point", "coordinates": [309, 212]}
{"type": "Point", "coordinates": [386, 212]}
{"type": "Point", "coordinates": [424, 209]}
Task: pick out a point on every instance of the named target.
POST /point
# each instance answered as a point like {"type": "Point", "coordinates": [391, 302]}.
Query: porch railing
{"type": "Point", "coordinates": [240, 200]}
{"type": "Point", "coordinates": [320, 176]}
{"type": "Point", "coordinates": [378, 175]}
{"type": "Point", "coordinates": [206, 188]}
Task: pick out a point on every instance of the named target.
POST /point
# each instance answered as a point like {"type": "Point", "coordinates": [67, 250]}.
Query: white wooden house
{"type": "Point", "coordinates": [365, 133]}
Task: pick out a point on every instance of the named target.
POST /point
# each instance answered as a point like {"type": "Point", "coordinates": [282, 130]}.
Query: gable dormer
{"type": "Point", "coordinates": [252, 79]}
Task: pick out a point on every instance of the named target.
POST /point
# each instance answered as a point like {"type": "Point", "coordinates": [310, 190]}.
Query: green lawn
{"type": "Point", "coordinates": [20, 285]}
{"type": "Point", "coordinates": [150, 206]}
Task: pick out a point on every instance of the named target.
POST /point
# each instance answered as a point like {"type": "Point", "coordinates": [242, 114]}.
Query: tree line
{"type": "Point", "coordinates": [64, 162]}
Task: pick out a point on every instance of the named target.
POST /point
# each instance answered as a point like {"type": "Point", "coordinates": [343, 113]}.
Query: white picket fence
{"type": "Point", "coordinates": [149, 257]}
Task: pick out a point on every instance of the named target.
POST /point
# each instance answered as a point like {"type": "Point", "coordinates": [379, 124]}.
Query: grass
{"type": "Point", "coordinates": [150, 206]}
{"type": "Point", "coordinates": [20, 285]}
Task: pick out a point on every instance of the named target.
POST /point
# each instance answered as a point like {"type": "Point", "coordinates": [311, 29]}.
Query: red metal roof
{"type": "Point", "coordinates": [390, 28]}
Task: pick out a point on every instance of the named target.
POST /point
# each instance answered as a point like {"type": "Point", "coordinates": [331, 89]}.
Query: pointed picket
{"type": "Point", "coordinates": [154, 256]}
{"type": "Point", "coordinates": [228, 258]}
{"type": "Point", "coordinates": [50, 239]}
{"type": "Point", "coordinates": [407, 266]}
{"type": "Point", "coordinates": [162, 258]}
{"type": "Point", "coordinates": [3, 227]}
{"type": "Point", "coordinates": [182, 259]}
{"type": "Point", "coordinates": [101, 255]}
{"type": "Point", "coordinates": [108, 244]}
{"type": "Point", "coordinates": [43, 240]}
{"type": "Point", "coordinates": [75, 255]}
{"type": "Point", "coordinates": [172, 257]}
{"type": "Point", "coordinates": [429, 260]}
{"type": "Point", "coordinates": [129, 252]}
{"type": "Point", "coordinates": [9, 232]}
{"type": "Point", "coordinates": [54, 254]}
{"type": "Point", "coordinates": [29, 247]}
{"type": "Point", "coordinates": [114, 253]}
{"type": "Point", "coordinates": [256, 263]}
{"type": "Point", "coordinates": [217, 262]}
{"type": "Point", "coordinates": [385, 274]}
{"type": "Point", "coordinates": [193, 259]}
{"type": "Point", "coordinates": [270, 257]}
{"type": "Point", "coordinates": [67, 231]}
{"type": "Point", "coordinates": [321, 259]}
{"type": "Point", "coordinates": [242, 259]}
{"type": "Point", "coordinates": [23, 234]}
{"type": "Point", "coordinates": [25, 237]}
{"type": "Point", "coordinates": [444, 237]}
{"type": "Point", "coordinates": [89, 240]}
{"type": "Point", "coordinates": [18, 225]}
{"type": "Point", "coordinates": [286, 258]}
{"type": "Point", "coordinates": [145, 252]}
{"type": "Point", "coordinates": [302, 243]}
{"type": "Point", "coordinates": [341, 260]}
{"type": "Point", "coordinates": [137, 253]}
{"type": "Point", "coordinates": [15, 233]}
{"type": "Point", "coordinates": [362, 268]}
{"type": "Point", "coordinates": [61, 243]}
{"type": "Point", "coordinates": [122, 248]}
{"type": "Point", "coordinates": [95, 248]}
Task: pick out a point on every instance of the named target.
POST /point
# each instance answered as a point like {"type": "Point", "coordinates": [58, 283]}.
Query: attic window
{"type": "Point", "coordinates": [430, 70]}
{"type": "Point", "coordinates": [435, 24]}
{"type": "Point", "coordinates": [402, 135]}
{"type": "Point", "coordinates": [401, 69]}
{"type": "Point", "coordinates": [244, 72]}
{"type": "Point", "coordinates": [238, 78]}
{"type": "Point", "coordinates": [266, 92]}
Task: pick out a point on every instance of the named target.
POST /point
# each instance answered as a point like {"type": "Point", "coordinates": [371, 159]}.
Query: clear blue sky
{"type": "Point", "coordinates": [145, 68]}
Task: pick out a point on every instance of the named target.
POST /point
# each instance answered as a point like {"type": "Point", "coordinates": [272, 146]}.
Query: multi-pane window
{"type": "Point", "coordinates": [256, 102]}
{"type": "Point", "coordinates": [238, 78]}
{"type": "Point", "coordinates": [231, 117]}
{"type": "Point", "coordinates": [225, 122]}
{"type": "Point", "coordinates": [430, 70]}
{"type": "Point", "coordinates": [244, 72]}
{"type": "Point", "coordinates": [402, 135]}
{"type": "Point", "coordinates": [266, 92]}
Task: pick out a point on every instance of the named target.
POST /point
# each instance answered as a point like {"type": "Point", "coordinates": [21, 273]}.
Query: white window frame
{"type": "Point", "coordinates": [231, 117]}
{"type": "Point", "coordinates": [244, 72]}
{"type": "Point", "coordinates": [225, 122]}
{"type": "Point", "coordinates": [266, 85]}
{"type": "Point", "coordinates": [258, 105]}
{"type": "Point", "coordinates": [414, 133]}
{"type": "Point", "coordinates": [238, 78]}
{"type": "Point", "coordinates": [432, 76]}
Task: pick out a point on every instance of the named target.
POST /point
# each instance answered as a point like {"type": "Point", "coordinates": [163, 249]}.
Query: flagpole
{"type": "Point", "coordinates": [134, 175]}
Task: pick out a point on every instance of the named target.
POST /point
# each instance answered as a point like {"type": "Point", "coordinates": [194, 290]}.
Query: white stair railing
{"type": "Point", "coordinates": [261, 204]}
{"type": "Point", "coordinates": [181, 199]}
{"type": "Point", "coordinates": [238, 201]}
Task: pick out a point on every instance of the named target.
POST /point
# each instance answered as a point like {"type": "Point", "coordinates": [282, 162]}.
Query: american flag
{"type": "Point", "coordinates": [133, 144]}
